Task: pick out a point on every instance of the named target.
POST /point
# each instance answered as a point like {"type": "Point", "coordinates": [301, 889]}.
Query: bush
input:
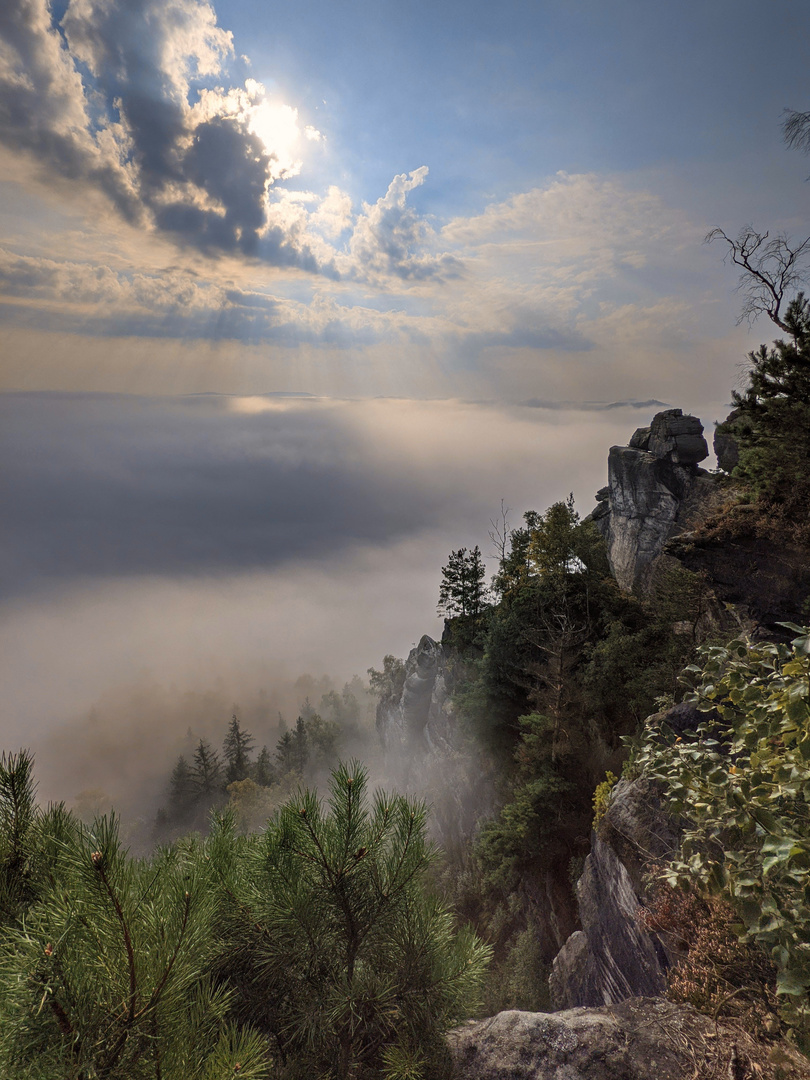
{"type": "Point", "coordinates": [742, 783]}
{"type": "Point", "coordinates": [363, 969]}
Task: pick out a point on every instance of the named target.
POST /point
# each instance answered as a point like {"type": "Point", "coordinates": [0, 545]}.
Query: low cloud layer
{"type": "Point", "coordinates": [166, 559]}
{"type": "Point", "coordinates": [99, 486]}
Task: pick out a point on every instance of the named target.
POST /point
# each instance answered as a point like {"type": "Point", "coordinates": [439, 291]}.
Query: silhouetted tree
{"type": "Point", "coordinates": [462, 591]}
{"type": "Point", "coordinates": [206, 771]}
{"type": "Point", "coordinates": [265, 772]}
{"type": "Point", "coordinates": [237, 749]}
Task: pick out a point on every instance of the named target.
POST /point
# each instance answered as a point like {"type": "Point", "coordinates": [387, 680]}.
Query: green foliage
{"type": "Point", "coordinates": [601, 797]}
{"type": "Point", "coordinates": [237, 749]}
{"type": "Point", "coordinates": [773, 421]}
{"type": "Point", "coordinates": [105, 975]}
{"type": "Point", "coordinates": [387, 684]}
{"type": "Point", "coordinates": [743, 786]}
{"type": "Point", "coordinates": [462, 591]}
{"type": "Point", "coordinates": [206, 772]}
{"type": "Point", "coordinates": [313, 947]}
{"type": "Point", "coordinates": [534, 827]}
{"type": "Point", "coordinates": [363, 968]}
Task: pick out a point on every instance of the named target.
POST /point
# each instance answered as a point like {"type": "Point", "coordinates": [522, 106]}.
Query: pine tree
{"type": "Point", "coordinates": [357, 966]}
{"type": "Point", "coordinates": [106, 975]}
{"type": "Point", "coordinates": [206, 772]}
{"type": "Point", "coordinates": [265, 772]}
{"type": "Point", "coordinates": [182, 789]}
{"type": "Point", "coordinates": [462, 591]}
{"type": "Point", "coordinates": [773, 418]}
{"type": "Point", "coordinates": [237, 749]}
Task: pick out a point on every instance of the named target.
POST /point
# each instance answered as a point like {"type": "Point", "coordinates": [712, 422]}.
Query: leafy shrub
{"type": "Point", "coordinates": [742, 784]}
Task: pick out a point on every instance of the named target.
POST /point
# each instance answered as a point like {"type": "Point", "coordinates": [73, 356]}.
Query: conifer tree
{"type": "Point", "coordinates": [182, 789]}
{"type": "Point", "coordinates": [462, 591]}
{"type": "Point", "coordinates": [772, 421]}
{"type": "Point", "coordinates": [355, 965]}
{"type": "Point", "coordinates": [104, 973]}
{"type": "Point", "coordinates": [206, 771]}
{"type": "Point", "coordinates": [265, 772]}
{"type": "Point", "coordinates": [237, 749]}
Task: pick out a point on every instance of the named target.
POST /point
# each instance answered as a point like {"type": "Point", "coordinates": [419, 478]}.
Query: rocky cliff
{"type": "Point", "coordinates": [655, 490]}
{"type": "Point", "coordinates": [613, 957]}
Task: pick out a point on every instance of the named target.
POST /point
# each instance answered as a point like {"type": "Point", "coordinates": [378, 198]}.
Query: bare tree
{"type": "Point", "coordinates": [773, 266]}
{"type": "Point", "coordinates": [796, 130]}
{"type": "Point", "coordinates": [500, 532]}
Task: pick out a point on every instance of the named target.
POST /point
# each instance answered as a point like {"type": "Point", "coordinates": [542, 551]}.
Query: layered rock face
{"type": "Point", "coordinates": [654, 486]}
{"type": "Point", "coordinates": [422, 718]}
{"type": "Point", "coordinates": [613, 957]}
{"type": "Point", "coordinates": [641, 1039]}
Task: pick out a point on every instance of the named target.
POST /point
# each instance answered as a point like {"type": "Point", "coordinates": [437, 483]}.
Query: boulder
{"type": "Point", "coordinates": [641, 1039]}
{"type": "Point", "coordinates": [726, 447]}
{"type": "Point", "coordinates": [677, 438]}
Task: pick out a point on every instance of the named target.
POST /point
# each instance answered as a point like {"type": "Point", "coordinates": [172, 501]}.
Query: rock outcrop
{"type": "Point", "coordinates": [421, 719]}
{"type": "Point", "coordinates": [614, 956]}
{"type": "Point", "coordinates": [640, 1039]}
{"type": "Point", "coordinates": [655, 490]}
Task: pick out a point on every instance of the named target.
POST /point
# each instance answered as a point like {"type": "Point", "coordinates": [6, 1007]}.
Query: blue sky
{"type": "Point", "coordinates": [353, 188]}
{"type": "Point", "coordinates": [428, 218]}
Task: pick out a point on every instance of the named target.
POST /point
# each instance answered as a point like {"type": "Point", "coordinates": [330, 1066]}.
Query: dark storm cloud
{"type": "Point", "coordinates": [113, 486]}
{"type": "Point", "coordinates": [109, 97]}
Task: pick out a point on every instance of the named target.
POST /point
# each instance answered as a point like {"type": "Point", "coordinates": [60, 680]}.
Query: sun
{"type": "Point", "coordinates": [277, 127]}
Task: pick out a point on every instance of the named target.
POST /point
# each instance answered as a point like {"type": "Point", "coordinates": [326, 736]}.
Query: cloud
{"type": "Point", "coordinates": [391, 240]}
{"type": "Point", "coordinates": [103, 486]}
{"type": "Point", "coordinates": [115, 96]}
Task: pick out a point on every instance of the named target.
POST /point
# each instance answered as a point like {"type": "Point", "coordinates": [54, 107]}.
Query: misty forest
{"type": "Point", "coordinates": [248, 830]}
{"type": "Point", "coordinates": [595, 792]}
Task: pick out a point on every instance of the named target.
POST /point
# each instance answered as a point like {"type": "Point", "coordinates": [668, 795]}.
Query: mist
{"type": "Point", "coordinates": [170, 561]}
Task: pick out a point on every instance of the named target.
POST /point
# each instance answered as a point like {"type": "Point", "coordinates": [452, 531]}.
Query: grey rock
{"type": "Point", "coordinates": [403, 723]}
{"type": "Point", "coordinates": [677, 438]}
{"type": "Point", "coordinates": [640, 1039]}
{"type": "Point", "coordinates": [640, 439]}
{"type": "Point", "coordinates": [726, 447]}
{"type": "Point", "coordinates": [614, 957]}
{"type": "Point", "coordinates": [653, 487]}
{"type": "Point", "coordinates": [603, 494]}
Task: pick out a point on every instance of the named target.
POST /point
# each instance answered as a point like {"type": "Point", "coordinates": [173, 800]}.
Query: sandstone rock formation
{"type": "Point", "coordinates": [640, 1039]}
{"type": "Point", "coordinates": [613, 956]}
{"type": "Point", "coordinates": [421, 719]}
{"type": "Point", "coordinates": [654, 490]}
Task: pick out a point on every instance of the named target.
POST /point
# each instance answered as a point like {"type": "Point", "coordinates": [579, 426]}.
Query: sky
{"type": "Point", "coordinates": [292, 296]}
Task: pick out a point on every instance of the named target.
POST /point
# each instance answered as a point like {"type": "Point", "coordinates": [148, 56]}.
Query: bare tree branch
{"type": "Point", "coordinates": [796, 130]}
{"type": "Point", "coordinates": [772, 267]}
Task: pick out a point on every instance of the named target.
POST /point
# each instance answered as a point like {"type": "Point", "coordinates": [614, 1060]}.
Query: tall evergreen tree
{"type": "Point", "coordinates": [772, 423]}
{"type": "Point", "coordinates": [462, 591]}
{"type": "Point", "coordinates": [265, 771]}
{"type": "Point", "coordinates": [206, 771]}
{"type": "Point", "coordinates": [237, 749]}
{"type": "Point", "coordinates": [182, 789]}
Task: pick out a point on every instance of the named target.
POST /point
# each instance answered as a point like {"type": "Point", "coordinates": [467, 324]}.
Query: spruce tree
{"type": "Point", "coordinates": [206, 772]}
{"type": "Point", "coordinates": [265, 772]}
{"type": "Point", "coordinates": [237, 749]}
{"type": "Point", "coordinates": [182, 790]}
